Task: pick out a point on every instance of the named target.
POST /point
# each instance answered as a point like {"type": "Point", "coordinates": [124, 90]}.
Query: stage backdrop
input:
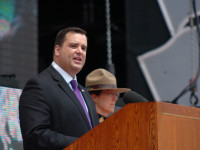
{"type": "Point", "coordinates": [169, 68]}
{"type": "Point", "coordinates": [18, 39]}
{"type": "Point", "coordinates": [163, 47]}
{"type": "Point", "coordinates": [18, 59]}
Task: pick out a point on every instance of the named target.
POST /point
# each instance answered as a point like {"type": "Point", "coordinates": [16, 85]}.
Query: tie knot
{"type": "Point", "coordinates": [73, 83]}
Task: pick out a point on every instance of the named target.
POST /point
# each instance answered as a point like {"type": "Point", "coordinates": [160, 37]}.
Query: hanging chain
{"type": "Point", "coordinates": [191, 21]}
{"type": "Point", "coordinates": [108, 33]}
{"type": "Point", "coordinates": [193, 97]}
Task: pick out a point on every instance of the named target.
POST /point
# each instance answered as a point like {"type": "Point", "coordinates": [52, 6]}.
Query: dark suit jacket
{"type": "Point", "coordinates": [51, 116]}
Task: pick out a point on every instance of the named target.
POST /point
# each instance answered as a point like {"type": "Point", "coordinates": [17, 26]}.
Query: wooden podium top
{"type": "Point", "coordinates": [145, 126]}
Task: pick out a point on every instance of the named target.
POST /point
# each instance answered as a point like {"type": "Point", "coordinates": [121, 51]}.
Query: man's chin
{"type": "Point", "coordinates": [78, 68]}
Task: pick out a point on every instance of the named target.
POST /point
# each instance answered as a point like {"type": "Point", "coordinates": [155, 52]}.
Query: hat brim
{"type": "Point", "coordinates": [119, 90]}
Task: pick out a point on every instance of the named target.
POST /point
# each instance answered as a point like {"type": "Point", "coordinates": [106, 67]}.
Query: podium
{"type": "Point", "coordinates": [145, 126]}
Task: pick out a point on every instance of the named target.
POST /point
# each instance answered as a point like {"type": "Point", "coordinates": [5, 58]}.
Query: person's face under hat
{"type": "Point", "coordinates": [105, 101]}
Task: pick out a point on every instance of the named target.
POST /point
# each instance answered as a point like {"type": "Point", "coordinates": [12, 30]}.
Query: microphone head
{"type": "Point", "coordinates": [133, 97]}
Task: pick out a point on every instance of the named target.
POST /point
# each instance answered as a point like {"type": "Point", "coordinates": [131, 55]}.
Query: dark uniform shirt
{"type": "Point", "coordinates": [101, 118]}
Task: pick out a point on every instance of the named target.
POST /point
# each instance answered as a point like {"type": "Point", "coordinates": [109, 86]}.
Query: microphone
{"type": "Point", "coordinates": [133, 97]}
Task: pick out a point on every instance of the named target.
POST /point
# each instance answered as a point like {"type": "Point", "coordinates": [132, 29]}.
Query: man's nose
{"type": "Point", "coordinates": [79, 49]}
{"type": "Point", "coordinates": [115, 98]}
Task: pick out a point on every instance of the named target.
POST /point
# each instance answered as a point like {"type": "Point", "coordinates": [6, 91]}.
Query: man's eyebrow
{"type": "Point", "coordinates": [77, 43]}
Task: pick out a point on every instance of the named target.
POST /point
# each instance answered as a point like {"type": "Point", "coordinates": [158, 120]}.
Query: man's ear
{"type": "Point", "coordinates": [57, 50]}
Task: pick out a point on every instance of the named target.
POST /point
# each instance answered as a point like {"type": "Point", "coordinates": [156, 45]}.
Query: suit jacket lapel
{"type": "Point", "coordinates": [64, 86]}
{"type": "Point", "coordinates": [89, 104]}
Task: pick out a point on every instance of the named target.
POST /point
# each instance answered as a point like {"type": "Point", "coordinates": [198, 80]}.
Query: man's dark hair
{"type": "Point", "coordinates": [61, 34]}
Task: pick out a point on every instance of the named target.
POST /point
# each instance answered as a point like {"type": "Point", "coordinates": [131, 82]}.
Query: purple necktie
{"type": "Point", "coordinates": [80, 98]}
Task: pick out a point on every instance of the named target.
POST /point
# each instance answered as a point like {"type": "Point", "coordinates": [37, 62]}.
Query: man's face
{"type": "Point", "coordinates": [71, 55]}
{"type": "Point", "coordinates": [105, 102]}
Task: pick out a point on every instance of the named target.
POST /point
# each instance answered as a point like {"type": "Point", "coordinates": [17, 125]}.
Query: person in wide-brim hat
{"type": "Point", "coordinates": [102, 86]}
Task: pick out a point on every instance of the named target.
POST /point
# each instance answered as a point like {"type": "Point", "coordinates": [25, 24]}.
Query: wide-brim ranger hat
{"type": "Point", "coordinates": [101, 79]}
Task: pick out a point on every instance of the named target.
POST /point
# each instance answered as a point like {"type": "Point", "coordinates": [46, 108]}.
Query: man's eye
{"type": "Point", "coordinates": [84, 49]}
{"type": "Point", "coordinates": [73, 46]}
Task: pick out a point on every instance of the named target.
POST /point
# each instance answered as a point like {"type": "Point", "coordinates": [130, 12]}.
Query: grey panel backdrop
{"type": "Point", "coordinates": [169, 68]}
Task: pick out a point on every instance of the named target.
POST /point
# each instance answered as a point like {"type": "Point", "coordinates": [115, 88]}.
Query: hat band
{"type": "Point", "coordinates": [103, 86]}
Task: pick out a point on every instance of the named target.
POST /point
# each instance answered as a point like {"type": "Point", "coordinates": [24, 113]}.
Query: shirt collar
{"type": "Point", "coordinates": [63, 73]}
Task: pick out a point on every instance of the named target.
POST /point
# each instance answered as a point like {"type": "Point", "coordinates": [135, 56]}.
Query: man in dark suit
{"type": "Point", "coordinates": [51, 115]}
